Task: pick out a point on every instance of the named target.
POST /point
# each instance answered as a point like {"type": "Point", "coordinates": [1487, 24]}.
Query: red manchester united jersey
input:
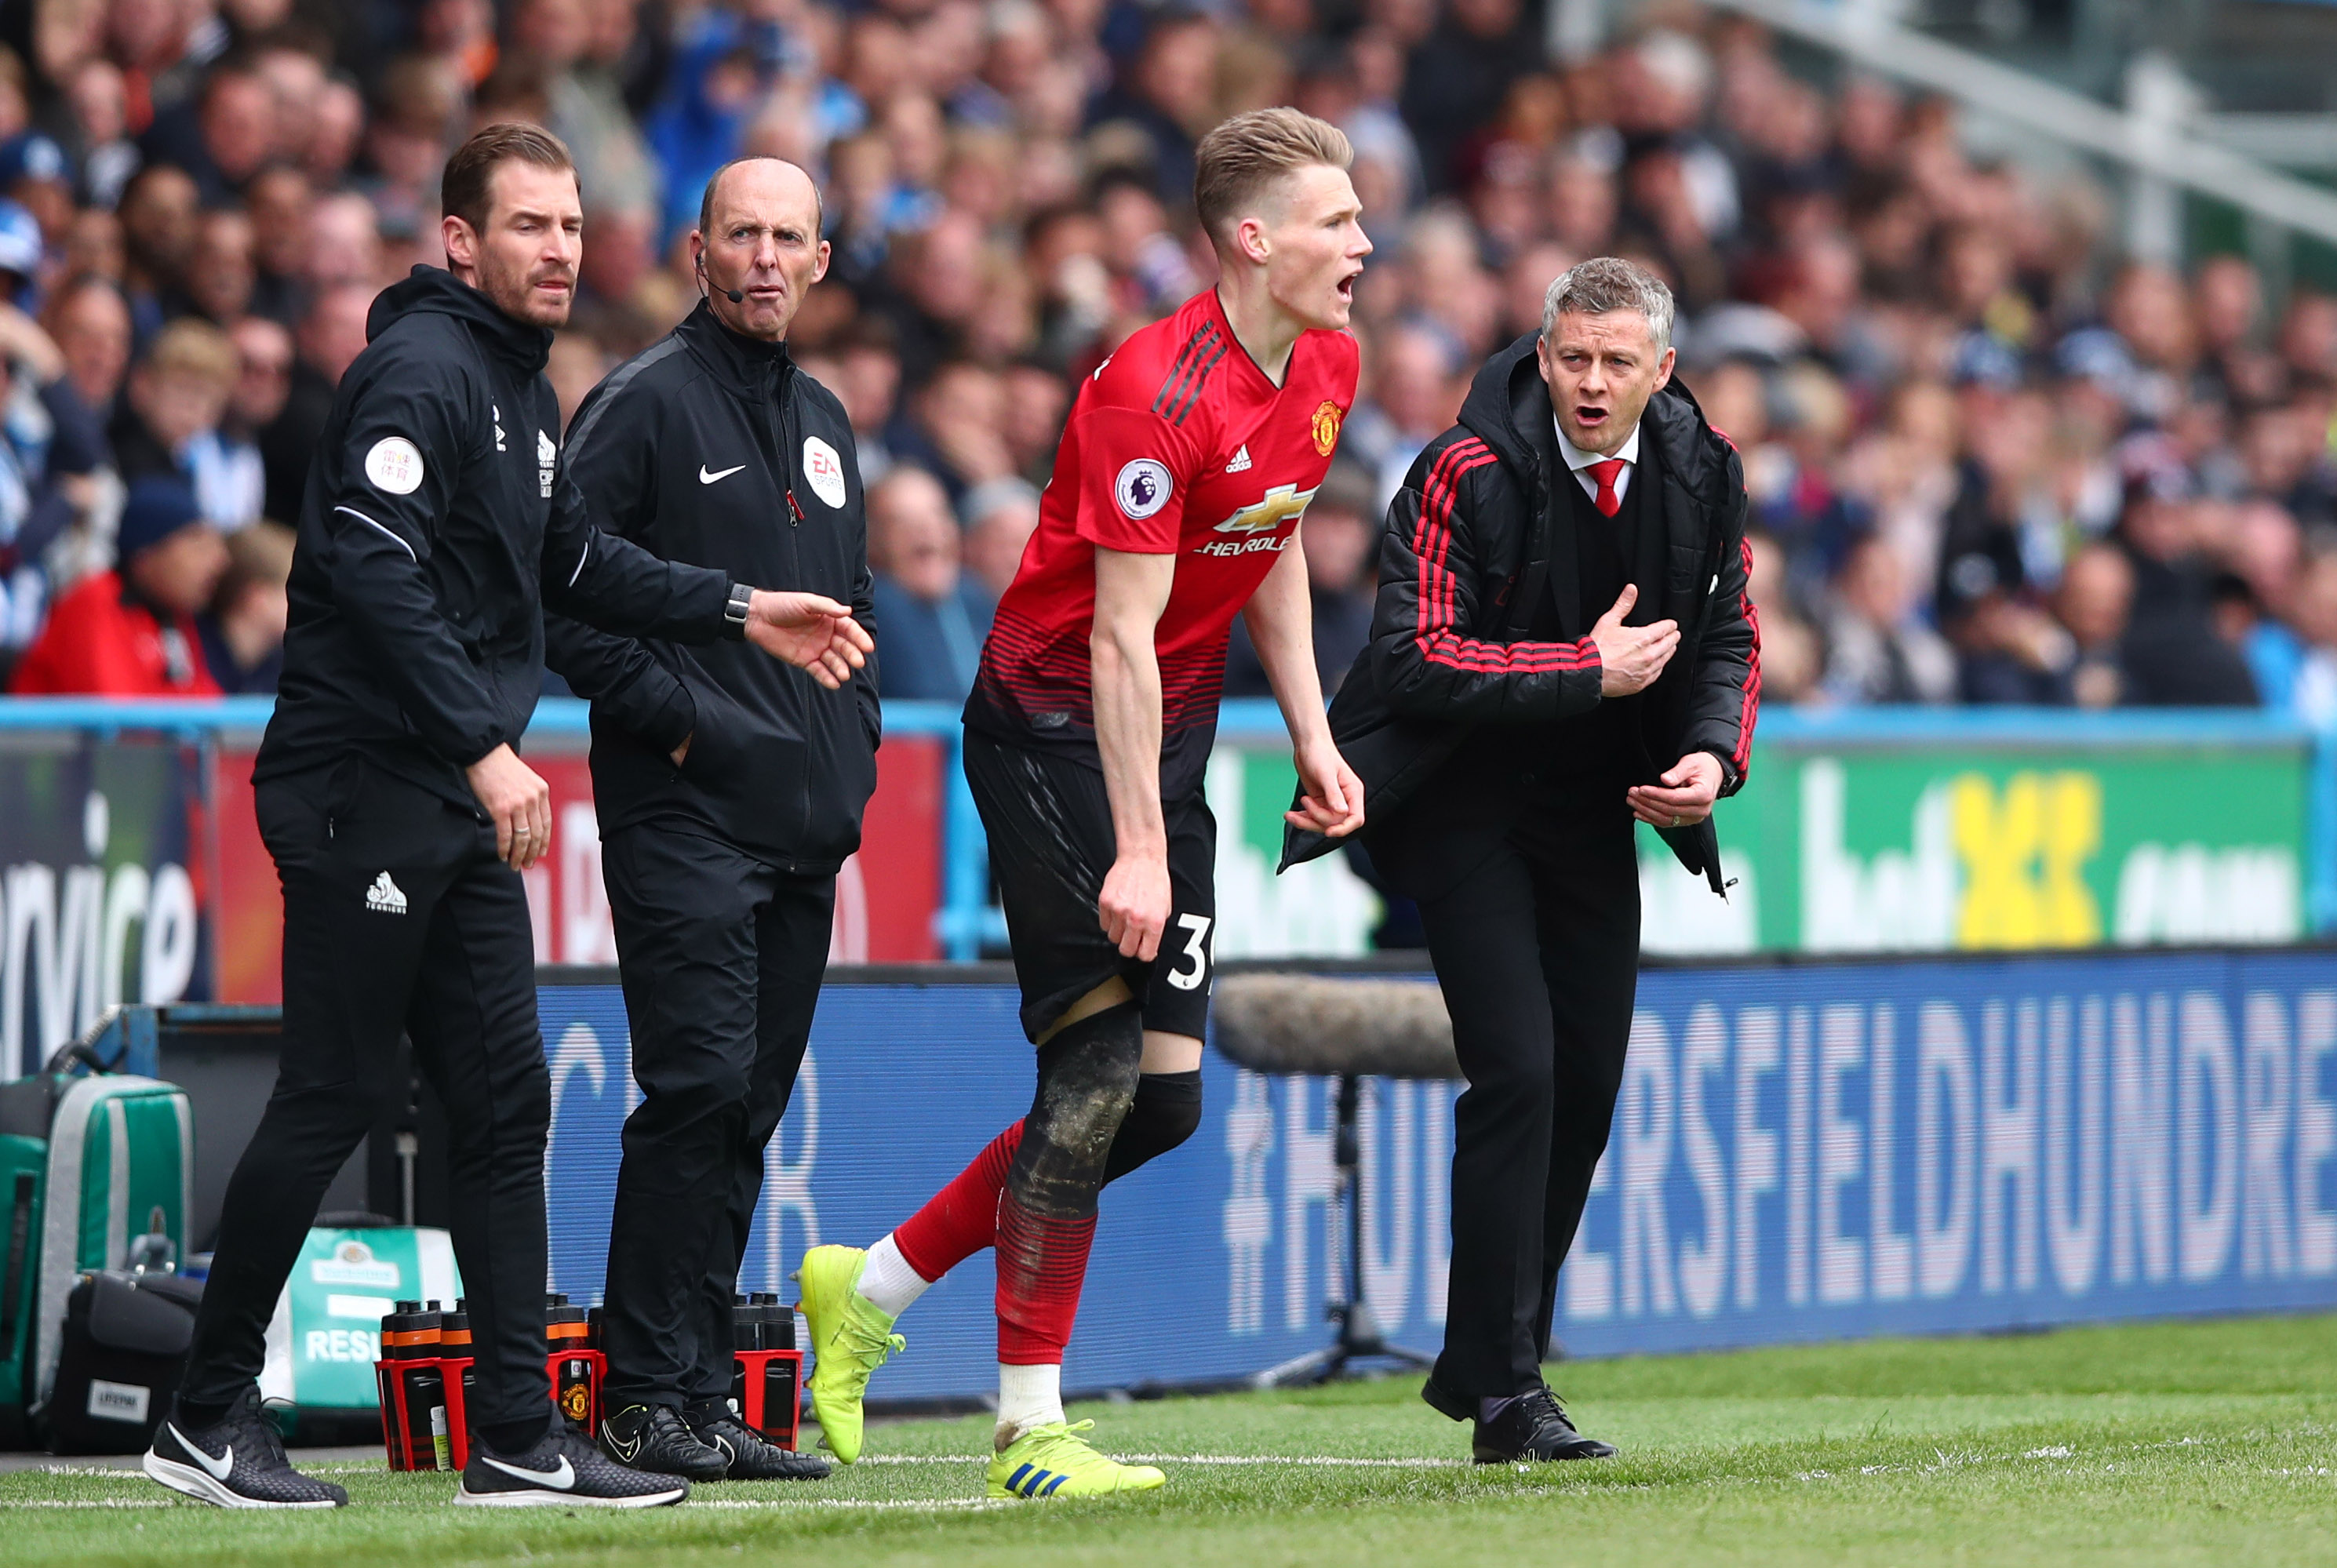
{"type": "Point", "coordinates": [1177, 444]}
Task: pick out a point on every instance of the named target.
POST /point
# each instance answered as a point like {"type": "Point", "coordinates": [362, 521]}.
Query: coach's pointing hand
{"type": "Point", "coordinates": [812, 633]}
{"type": "Point", "coordinates": [518, 802]}
{"type": "Point", "coordinates": [1631, 657]}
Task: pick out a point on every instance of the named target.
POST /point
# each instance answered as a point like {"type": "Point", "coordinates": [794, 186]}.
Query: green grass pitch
{"type": "Point", "coordinates": [2195, 1442]}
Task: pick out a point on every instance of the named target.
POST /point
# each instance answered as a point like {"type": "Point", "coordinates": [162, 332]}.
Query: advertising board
{"type": "Point", "coordinates": [107, 892]}
{"type": "Point", "coordinates": [1801, 1150]}
{"type": "Point", "coordinates": [884, 900]}
{"type": "Point", "coordinates": [1894, 832]}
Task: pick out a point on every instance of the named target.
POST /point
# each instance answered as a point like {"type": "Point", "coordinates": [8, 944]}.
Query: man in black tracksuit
{"type": "Point", "coordinates": [1562, 644]}
{"type": "Point", "coordinates": [438, 520]}
{"type": "Point", "coordinates": [729, 791]}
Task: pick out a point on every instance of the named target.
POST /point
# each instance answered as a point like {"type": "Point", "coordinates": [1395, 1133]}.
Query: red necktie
{"type": "Point", "coordinates": [1605, 471]}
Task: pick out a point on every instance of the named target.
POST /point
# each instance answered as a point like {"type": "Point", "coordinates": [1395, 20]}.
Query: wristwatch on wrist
{"type": "Point", "coordinates": [734, 614]}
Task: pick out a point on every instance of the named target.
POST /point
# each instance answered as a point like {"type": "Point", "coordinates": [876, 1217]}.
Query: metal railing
{"type": "Point", "coordinates": [2157, 136]}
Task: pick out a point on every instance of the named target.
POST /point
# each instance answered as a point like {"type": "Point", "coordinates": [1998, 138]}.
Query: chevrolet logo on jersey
{"type": "Point", "coordinates": [1284, 501]}
{"type": "Point", "coordinates": [1256, 526]}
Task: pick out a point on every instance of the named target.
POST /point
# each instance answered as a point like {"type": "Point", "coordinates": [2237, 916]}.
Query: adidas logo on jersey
{"type": "Point", "coordinates": [385, 897]}
{"type": "Point", "coordinates": [1240, 464]}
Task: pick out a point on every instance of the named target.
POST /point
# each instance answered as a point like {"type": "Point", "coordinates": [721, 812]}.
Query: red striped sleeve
{"type": "Point", "coordinates": [1751, 712]}
{"type": "Point", "coordinates": [1438, 589]}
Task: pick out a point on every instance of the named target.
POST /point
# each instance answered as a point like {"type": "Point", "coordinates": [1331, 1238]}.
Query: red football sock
{"type": "Point", "coordinates": [1042, 1264]}
{"type": "Point", "coordinates": [961, 1218]}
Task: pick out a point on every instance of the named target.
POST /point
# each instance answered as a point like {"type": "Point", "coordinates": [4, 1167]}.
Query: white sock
{"type": "Point", "coordinates": [887, 1281]}
{"type": "Point", "coordinates": [1028, 1396]}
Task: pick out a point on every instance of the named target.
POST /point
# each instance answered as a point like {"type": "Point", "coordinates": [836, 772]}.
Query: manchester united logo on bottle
{"type": "Point", "coordinates": [1327, 427]}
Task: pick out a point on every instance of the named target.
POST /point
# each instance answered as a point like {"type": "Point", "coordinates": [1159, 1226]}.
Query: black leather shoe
{"type": "Point", "coordinates": [751, 1455]}
{"type": "Point", "coordinates": [1531, 1429]}
{"type": "Point", "coordinates": [655, 1439]}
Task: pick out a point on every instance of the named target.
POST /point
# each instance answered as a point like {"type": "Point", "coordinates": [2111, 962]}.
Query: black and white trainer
{"type": "Point", "coordinates": [655, 1439]}
{"type": "Point", "coordinates": [750, 1455]}
{"type": "Point", "coordinates": [238, 1463]}
{"type": "Point", "coordinates": [564, 1471]}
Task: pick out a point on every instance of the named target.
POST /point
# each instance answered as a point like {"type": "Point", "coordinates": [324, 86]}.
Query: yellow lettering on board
{"type": "Point", "coordinates": [2024, 855]}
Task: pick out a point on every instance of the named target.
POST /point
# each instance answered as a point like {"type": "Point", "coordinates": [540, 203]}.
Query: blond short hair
{"type": "Point", "coordinates": [195, 348]}
{"type": "Point", "coordinates": [1240, 158]}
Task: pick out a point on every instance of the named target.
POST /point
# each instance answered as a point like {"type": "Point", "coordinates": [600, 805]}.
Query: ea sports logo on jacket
{"type": "Point", "coordinates": [824, 469]}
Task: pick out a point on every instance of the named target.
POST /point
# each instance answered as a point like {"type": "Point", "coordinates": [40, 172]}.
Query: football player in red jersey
{"type": "Point", "coordinates": [1187, 461]}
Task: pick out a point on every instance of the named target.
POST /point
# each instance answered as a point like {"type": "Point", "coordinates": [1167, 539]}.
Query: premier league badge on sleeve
{"type": "Point", "coordinates": [1143, 488]}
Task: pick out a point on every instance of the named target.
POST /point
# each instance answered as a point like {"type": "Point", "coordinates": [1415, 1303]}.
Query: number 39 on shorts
{"type": "Point", "coordinates": [1193, 963]}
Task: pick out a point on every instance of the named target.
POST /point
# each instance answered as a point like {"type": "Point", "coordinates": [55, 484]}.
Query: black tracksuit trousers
{"type": "Point", "coordinates": [1534, 933]}
{"type": "Point", "coordinates": [397, 917]}
{"type": "Point", "coordinates": [721, 956]}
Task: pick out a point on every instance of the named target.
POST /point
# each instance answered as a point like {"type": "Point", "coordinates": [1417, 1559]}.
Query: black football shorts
{"type": "Point", "coordinates": [1051, 845]}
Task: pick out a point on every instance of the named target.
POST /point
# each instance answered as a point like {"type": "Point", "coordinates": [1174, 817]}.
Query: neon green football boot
{"type": "Point", "coordinates": [850, 1339]}
{"type": "Point", "coordinates": [1054, 1461]}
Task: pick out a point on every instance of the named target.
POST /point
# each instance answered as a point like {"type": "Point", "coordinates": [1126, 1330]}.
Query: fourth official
{"type": "Point", "coordinates": [729, 791]}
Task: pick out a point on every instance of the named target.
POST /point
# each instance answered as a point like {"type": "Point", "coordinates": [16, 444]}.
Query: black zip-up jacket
{"type": "Point", "coordinates": [714, 448]}
{"type": "Point", "coordinates": [437, 523]}
{"type": "Point", "coordinates": [1466, 560]}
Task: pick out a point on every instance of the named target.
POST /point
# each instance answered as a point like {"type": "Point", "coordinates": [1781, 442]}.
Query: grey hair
{"type": "Point", "coordinates": [1606, 283]}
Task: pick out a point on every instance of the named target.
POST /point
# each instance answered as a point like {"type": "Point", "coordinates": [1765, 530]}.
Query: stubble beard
{"type": "Point", "coordinates": [513, 293]}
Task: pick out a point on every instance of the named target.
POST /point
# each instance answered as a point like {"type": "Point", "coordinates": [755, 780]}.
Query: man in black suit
{"type": "Point", "coordinates": [1563, 645]}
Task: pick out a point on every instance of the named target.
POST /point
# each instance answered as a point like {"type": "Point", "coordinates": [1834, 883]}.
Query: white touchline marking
{"type": "Point", "coordinates": [172, 1502]}
{"type": "Point", "coordinates": [898, 1504]}
{"type": "Point", "coordinates": [1319, 1459]}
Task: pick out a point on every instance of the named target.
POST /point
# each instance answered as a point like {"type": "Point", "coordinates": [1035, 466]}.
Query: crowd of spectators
{"type": "Point", "coordinates": [1990, 459]}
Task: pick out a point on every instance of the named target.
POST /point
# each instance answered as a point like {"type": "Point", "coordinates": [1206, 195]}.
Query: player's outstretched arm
{"type": "Point", "coordinates": [1281, 619]}
{"type": "Point", "coordinates": [1131, 592]}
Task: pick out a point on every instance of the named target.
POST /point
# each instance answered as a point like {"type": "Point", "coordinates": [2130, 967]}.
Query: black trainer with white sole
{"type": "Point", "coordinates": [564, 1471]}
{"type": "Point", "coordinates": [238, 1463]}
{"type": "Point", "coordinates": [655, 1439]}
{"type": "Point", "coordinates": [752, 1456]}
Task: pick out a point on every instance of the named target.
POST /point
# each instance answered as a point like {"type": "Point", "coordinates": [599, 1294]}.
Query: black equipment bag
{"type": "Point", "coordinates": [125, 1348]}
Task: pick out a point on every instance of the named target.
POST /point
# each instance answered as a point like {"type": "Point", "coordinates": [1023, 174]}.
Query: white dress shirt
{"type": "Point", "coordinates": [1581, 460]}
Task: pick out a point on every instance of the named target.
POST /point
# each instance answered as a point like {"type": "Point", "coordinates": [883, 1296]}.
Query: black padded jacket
{"type": "Point", "coordinates": [1467, 555]}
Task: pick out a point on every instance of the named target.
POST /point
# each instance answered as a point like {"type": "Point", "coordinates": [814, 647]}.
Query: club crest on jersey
{"type": "Point", "coordinates": [1143, 488]}
{"type": "Point", "coordinates": [1327, 427]}
{"type": "Point", "coordinates": [1257, 526]}
{"type": "Point", "coordinates": [547, 458]}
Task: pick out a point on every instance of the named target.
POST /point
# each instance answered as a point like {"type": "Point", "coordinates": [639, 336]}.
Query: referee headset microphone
{"type": "Point", "coordinates": [735, 296]}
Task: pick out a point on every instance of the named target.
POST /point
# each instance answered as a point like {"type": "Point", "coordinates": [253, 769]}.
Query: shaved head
{"type": "Point", "coordinates": [768, 166]}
